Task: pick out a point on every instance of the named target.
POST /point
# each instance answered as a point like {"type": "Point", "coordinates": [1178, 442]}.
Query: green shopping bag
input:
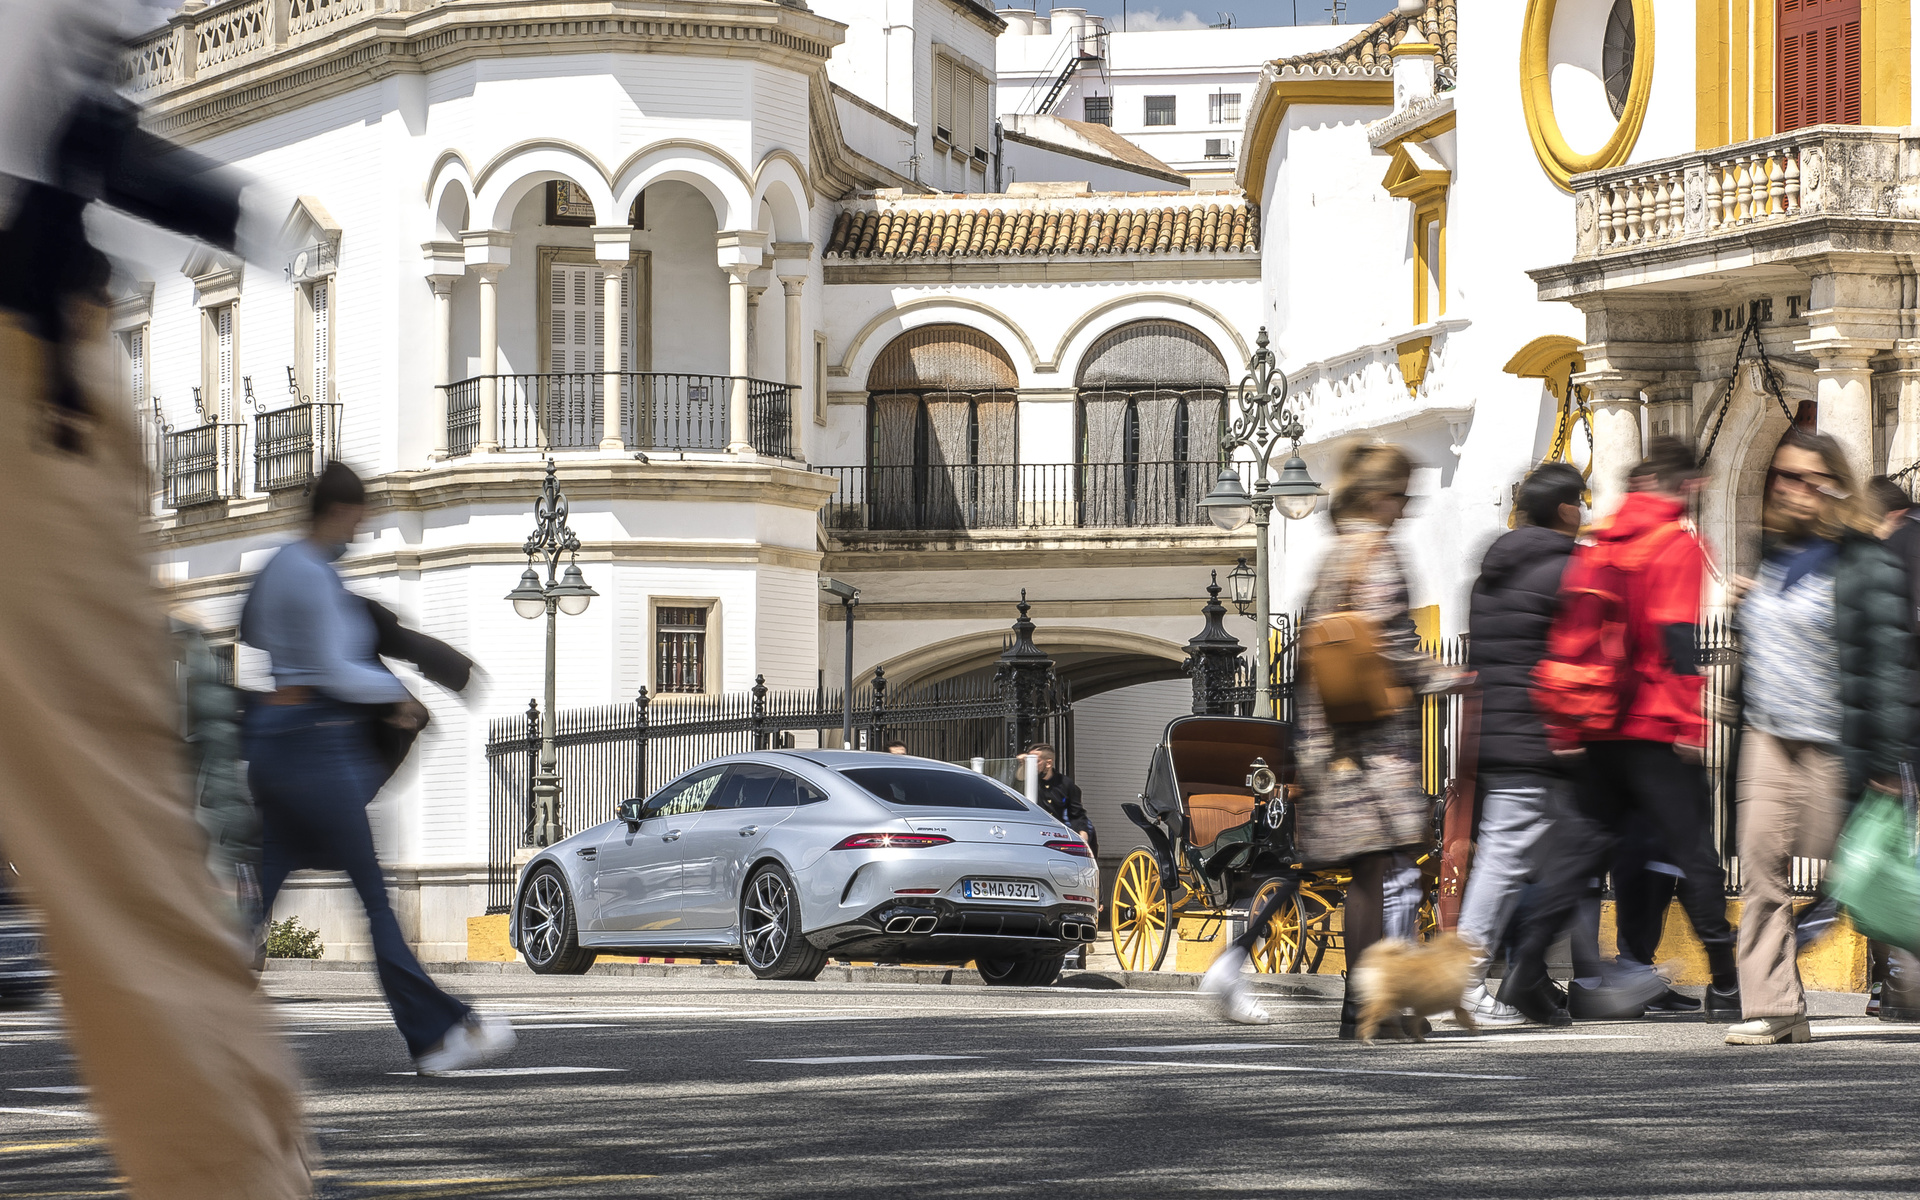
{"type": "Point", "coordinates": [1875, 872]}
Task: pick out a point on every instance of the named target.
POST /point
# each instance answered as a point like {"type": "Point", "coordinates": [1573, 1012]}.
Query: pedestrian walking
{"type": "Point", "coordinates": [210, 717]}
{"type": "Point", "coordinates": [1363, 805]}
{"type": "Point", "coordinates": [1622, 687]}
{"type": "Point", "coordinates": [1827, 705]}
{"type": "Point", "coordinates": [1060, 796]}
{"type": "Point", "coordinates": [182, 1060]}
{"type": "Point", "coordinates": [323, 743]}
{"type": "Point", "coordinates": [1527, 788]}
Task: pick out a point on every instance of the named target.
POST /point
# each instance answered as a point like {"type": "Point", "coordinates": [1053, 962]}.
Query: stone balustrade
{"type": "Point", "coordinates": [1826, 170]}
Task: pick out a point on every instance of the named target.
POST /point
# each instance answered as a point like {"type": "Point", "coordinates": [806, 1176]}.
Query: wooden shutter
{"type": "Point", "coordinates": [137, 356]}
{"type": "Point", "coordinates": [223, 331]}
{"type": "Point", "coordinates": [322, 339]}
{"type": "Point", "coordinates": [570, 317]}
{"type": "Point", "coordinates": [1819, 63]}
{"type": "Point", "coordinates": [982, 123]}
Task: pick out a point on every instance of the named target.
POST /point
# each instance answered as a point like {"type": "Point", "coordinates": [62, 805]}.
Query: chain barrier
{"type": "Point", "coordinates": [1725, 400]}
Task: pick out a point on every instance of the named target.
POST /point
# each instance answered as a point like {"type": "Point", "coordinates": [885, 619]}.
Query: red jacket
{"type": "Point", "coordinates": [1665, 564]}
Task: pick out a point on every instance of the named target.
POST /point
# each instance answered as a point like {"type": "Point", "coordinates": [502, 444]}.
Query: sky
{"type": "Point", "coordinates": [1149, 15]}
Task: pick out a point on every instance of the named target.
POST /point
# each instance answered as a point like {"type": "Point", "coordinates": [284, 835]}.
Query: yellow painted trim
{"type": "Point", "coordinates": [1739, 86]}
{"type": "Point", "coordinates": [1413, 48]}
{"type": "Point", "coordinates": [1709, 73]}
{"type": "Point", "coordinates": [1423, 216]}
{"type": "Point", "coordinates": [1416, 175]}
{"type": "Point", "coordinates": [1886, 68]}
{"type": "Point", "coordinates": [1561, 161]}
{"type": "Point", "coordinates": [1764, 54]}
{"type": "Point", "coordinates": [1271, 104]}
{"type": "Point", "coordinates": [1414, 356]}
{"type": "Point", "coordinates": [1554, 358]}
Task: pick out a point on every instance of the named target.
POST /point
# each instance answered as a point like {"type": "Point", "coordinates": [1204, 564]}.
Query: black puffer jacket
{"type": "Point", "coordinates": [1512, 608]}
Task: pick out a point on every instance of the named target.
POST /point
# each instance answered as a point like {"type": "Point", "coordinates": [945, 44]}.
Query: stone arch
{"type": "Point", "coordinates": [514, 172]}
{"type": "Point", "coordinates": [942, 430]}
{"type": "Point", "coordinates": [1092, 660]}
{"type": "Point", "coordinates": [867, 344]}
{"type": "Point", "coordinates": [780, 182]}
{"type": "Point", "coordinates": [1101, 318]}
{"type": "Point", "coordinates": [1149, 419]}
{"type": "Point", "coordinates": [709, 170]}
{"type": "Point", "coordinates": [1730, 506]}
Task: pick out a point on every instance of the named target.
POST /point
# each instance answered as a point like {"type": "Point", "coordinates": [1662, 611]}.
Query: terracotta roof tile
{"type": "Point", "coordinates": [1367, 52]}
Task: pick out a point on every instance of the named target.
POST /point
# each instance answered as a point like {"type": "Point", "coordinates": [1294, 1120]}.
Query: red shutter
{"type": "Point", "coordinates": [1819, 62]}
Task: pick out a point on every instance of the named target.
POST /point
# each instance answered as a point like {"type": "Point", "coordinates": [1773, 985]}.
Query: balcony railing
{"type": "Point", "coordinates": [1019, 496]}
{"type": "Point", "coordinates": [291, 445]}
{"type": "Point", "coordinates": [1824, 170]}
{"type": "Point", "coordinates": [565, 410]}
{"type": "Point", "coordinates": [204, 464]}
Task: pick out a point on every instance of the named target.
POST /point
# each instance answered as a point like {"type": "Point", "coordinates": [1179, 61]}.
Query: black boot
{"type": "Point", "coordinates": [1723, 1001]}
{"type": "Point", "coordinates": [1538, 1002]}
{"type": "Point", "coordinates": [1349, 1015]}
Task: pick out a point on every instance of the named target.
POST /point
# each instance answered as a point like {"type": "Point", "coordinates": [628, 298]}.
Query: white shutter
{"type": "Point", "coordinates": [137, 363]}
{"type": "Point", "coordinates": [224, 331]}
{"type": "Point", "coordinates": [982, 124]}
{"type": "Point", "coordinates": [943, 99]}
{"type": "Point", "coordinates": [322, 339]}
{"type": "Point", "coordinates": [570, 318]}
{"type": "Point", "coordinates": [626, 320]}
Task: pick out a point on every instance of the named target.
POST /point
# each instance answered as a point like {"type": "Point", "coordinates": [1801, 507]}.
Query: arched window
{"type": "Point", "coordinates": [1152, 399]}
{"type": "Point", "coordinates": [942, 410]}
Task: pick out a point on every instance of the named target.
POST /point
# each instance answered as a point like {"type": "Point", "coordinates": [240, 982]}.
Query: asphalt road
{"type": "Point", "coordinates": [700, 1087]}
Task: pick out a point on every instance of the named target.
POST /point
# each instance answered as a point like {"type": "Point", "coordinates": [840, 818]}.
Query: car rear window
{"type": "Point", "coordinates": [923, 788]}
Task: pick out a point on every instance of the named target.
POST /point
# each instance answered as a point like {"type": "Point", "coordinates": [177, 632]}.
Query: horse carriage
{"type": "Point", "coordinates": [1218, 815]}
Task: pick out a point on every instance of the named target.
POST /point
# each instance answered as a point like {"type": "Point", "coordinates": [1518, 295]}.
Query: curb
{"type": "Point", "coordinates": [1298, 986]}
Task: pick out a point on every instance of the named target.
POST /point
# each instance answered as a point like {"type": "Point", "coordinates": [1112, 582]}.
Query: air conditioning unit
{"type": "Point", "coordinates": [1219, 147]}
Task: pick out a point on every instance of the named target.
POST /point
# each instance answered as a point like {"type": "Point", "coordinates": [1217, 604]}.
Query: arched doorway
{"type": "Point", "coordinates": [942, 417]}
{"type": "Point", "coordinates": [1151, 410]}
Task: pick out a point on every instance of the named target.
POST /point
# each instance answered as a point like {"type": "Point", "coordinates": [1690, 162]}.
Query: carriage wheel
{"type": "Point", "coordinates": [1317, 934]}
{"type": "Point", "coordinates": [1279, 951]}
{"type": "Point", "coordinates": [1139, 914]}
{"type": "Point", "coordinates": [1429, 918]}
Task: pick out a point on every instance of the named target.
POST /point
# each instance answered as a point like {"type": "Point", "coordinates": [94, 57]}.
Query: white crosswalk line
{"type": "Point", "coordinates": [866, 1058]}
{"type": "Point", "coordinates": [1196, 1048]}
{"type": "Point", "coordinates": [491, 1072]}
{"type": "Point", "coordinates": [1161, 1062]}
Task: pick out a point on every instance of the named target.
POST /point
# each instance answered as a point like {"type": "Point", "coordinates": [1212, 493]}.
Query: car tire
{"type": "Point", "coordinates": [1020, 972]}
{"type": "Point", "coordinates": [770, 941]}
{"type": "Point", "coordinates": [549, 929]}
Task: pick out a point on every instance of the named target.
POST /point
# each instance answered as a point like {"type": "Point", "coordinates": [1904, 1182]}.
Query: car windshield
{"type": "Point", "coordinates": [921, 787]}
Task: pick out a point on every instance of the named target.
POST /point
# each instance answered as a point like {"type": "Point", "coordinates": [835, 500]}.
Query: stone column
{"type": "Point", "coordinates": [790, 262]}
{"type": "Point", "coordinates": [739, 252]}
{"type": "Point", "coordinates": [489, 251]}
{"type": "Point", "coordinates": [1615, 403]}
{"type": "Point", "coordinates": [613, 249]}
{"type": "Point", "coordinates": [1903, 444]}
{"type": "Point", "coordinates": [755, 290]}
{"type": "Point", "coordinates": [442, 286]}
{"type": "Point", "coordinates": [1670, 405]}
{"type": "Point", "coordinates": [1844, 392]}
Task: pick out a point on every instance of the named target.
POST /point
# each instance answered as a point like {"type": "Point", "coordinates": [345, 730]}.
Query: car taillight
{"type": "Point", "coordinates": [892, 841]}
{"type": "Point", "coordinates": [1076, 847]}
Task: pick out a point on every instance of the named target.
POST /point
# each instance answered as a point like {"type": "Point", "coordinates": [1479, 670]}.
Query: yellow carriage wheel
{"type": "Point", "coordinates": [1139, 914]}
{"type": "Point", "coordinates": [1317, 934]}
{"type": "Point", "coordinates": [1278, 952]}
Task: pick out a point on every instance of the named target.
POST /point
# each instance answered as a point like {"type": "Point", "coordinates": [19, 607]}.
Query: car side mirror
{"type": "Point", "coordinates": [632, 810]}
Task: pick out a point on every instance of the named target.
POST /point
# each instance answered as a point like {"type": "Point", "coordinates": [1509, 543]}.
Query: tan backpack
{"type": "Point", "coordinates": [1340, 651]}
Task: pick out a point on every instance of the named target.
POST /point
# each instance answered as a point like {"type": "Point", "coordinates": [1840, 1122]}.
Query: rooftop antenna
{"type": "Point", "coordinates": [912, 161]}
{"type": "Point", "coordinates": [1339, 10]}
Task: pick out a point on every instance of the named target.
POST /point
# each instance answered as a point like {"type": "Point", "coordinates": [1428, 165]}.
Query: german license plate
{"type": "Point", "coordinates": [999, 889]}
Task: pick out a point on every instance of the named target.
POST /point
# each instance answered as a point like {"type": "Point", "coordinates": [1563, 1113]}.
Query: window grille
{"type": "Point", "coordinates": [1097, 110]}
{"type": "Point", "coordinates": [1160, 110]}
{"type": "Point", "coordinates": [680, 648]}
{"type": "Point", "coordinates": [1223, 108]}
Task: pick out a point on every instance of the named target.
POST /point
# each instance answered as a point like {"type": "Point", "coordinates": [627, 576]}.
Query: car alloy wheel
{"type": "Point", "coordinates": [549, 934]}
{"type": "Point", "coordinates": [763, 926]}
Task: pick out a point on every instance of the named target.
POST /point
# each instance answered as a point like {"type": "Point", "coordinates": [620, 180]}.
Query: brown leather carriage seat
{"type": "Point", "coordinates": [1210, 814]}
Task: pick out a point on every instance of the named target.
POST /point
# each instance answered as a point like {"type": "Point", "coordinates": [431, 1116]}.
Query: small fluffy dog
{"type": "Point", "coordinates": [1396, 975]}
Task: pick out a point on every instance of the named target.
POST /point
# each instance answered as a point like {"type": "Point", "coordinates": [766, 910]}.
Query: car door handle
{"type": "Point", "coordinates": [589, 852]}
{"type": "Point", "coordinates": [749, 831]}
{"type": "Point", "coordinates": [671, 835]}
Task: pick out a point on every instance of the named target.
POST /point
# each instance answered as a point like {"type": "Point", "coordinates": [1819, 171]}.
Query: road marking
{"type": "Point", "coordinates": [1197, 1047]}
{"type": "Point", "coordinates": [1149, 1062]}
{"type": "Point", "coordinates": [72, 1089]}
{"type": "Point", "coordinates": [47, 1112]}
{"type": "Point", "coordinates": [1495, 1038]}
{"type": "Point", "coordinates": [830, 1017]}
{"type": "Point", "coordinates": [524, 1026]}
{"type": "Point", "coordinates": [492, 1072]}
{"type": "Point", "coordinates": [865, 1058]}
{"type": "Point", "coordinates": [1865, 1029]}
{"type": "Point", "coordinates": [34, 1147]}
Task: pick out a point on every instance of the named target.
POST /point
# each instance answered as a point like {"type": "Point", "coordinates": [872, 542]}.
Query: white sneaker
{"type": "Point", "coordinates": [1488, 1011]}
{"type": "Point", "coordinates": [474, 1040]}
{"type": "Point", "coordinates": [1226, 991]}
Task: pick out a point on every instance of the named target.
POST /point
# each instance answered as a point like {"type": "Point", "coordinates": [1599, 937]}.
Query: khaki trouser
{"type": "Point", "coordinates": [194, 1088]}
{"type": "Point", "coordinates": [1790, 806]}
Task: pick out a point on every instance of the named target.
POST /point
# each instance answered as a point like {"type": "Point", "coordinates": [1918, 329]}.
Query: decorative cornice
{"type": "Point", "coordinates": [1428, 118]}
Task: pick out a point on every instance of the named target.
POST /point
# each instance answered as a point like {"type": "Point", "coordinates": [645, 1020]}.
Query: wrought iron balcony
{"type": "Point", "coordinates": [930, 498]}
{"type": "Point", "coordinates": [204, 464]}
{"type": "Point", "coordinates": [565, 410]}
{"type": "Point", "coordinates": [292, 445]}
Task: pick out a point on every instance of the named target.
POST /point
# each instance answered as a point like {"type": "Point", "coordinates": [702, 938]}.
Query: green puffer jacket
{"type": "Point", "coordinates": [1879, 662]}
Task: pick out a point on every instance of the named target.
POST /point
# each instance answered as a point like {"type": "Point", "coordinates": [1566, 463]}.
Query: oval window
{"type": "Point", "coordinates": [1616, 56]}
{"type": "Point", "coordinates": [1586, 75]}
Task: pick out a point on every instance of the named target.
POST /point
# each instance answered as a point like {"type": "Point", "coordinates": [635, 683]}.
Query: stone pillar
{"type": "Point", "coordinates": [1903, 443]}
{"type": "Point", "coordinates": [755, 290]}
{"type": "Point", "coordinates": [446, 263]}
{"type": "Point", "coordinates": [613, 249]}
{"type": "Point", "coordinates": [489, 251]}
{"type": "Point", "coordinates": [1844, 392]}
{"type": "Point", "coordinates": [1670, 405]}
{"type": "Point", "coordinates": [790, 260]}
{"type": "Point", "coordinates": [1615, 403]}
{"type": "Point", "coordinates": [739, 252]}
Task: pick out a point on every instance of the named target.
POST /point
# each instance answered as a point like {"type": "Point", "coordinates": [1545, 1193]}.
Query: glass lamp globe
{"type": "Point", "coordinates": [1240, 585]}
{"type": "Point", "coordinates": [572, 592]}
{"type": "Point", "coordinates": [528, 600]}
{"type": "Point", "coordinates": [1228, 505]}
{"type": "Point", "coordinates": [1295, 491]}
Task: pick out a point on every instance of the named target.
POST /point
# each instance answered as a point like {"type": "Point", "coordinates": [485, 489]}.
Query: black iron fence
{"type": "Point", "coordinates": [204, 464]}
{"type": "Point", "coordinates": [1018, 496]}
{"type": "Point", "coordinates": [566, 410]}
{"type": "Point", "coordinates": [609, 753]}
{"type": "Point", "coordinates": [292, 445]}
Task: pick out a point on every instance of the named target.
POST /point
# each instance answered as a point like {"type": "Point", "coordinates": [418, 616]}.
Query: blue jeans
{"type": "Point", "coordinates": [313, 771]}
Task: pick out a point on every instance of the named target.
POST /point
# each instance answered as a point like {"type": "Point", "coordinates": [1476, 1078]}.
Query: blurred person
{"type": "Point", "coordinates": [1827, 705]}
{"type": "Point", "coordinates": [194, 1088]}
{"type": "Point", "coordinates": [322, 744]}
{"type": "Point", "coordinates": [1060, 796]}
{"type": "Point", "coordinates": [1363, 805]}
{"type": "Point", "coordinates": [210, 717]}
{"type": "Point", "coordinates": [1648, 760]}
{"type": "Point", "coordinates": [1890, 504]}
{"type": "Point", "coordinates": [896, 747]}
{"type": "Point", "coordinates": [1509, 612]}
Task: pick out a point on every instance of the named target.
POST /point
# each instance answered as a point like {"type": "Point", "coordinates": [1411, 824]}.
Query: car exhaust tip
{"type": "Point", "coordinates": [924, 924]}
{"type": "Point", "coordinates": [900, 925]}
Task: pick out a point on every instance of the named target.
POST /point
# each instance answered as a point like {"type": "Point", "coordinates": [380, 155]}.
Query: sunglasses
{"type": "Point", "coordinates": [1812, 481]}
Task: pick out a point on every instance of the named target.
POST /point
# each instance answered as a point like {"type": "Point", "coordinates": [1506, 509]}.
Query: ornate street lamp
{"type": "Point", "coordinates": [1240, 586]}
{"type": "Point", "coordinates": [561, 593]}
{"type": "Point", "coordinates": [1264, 419]}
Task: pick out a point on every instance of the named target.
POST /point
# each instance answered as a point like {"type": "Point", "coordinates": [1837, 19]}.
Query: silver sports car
{"type": "Point", "coordinates": [781, 858]}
